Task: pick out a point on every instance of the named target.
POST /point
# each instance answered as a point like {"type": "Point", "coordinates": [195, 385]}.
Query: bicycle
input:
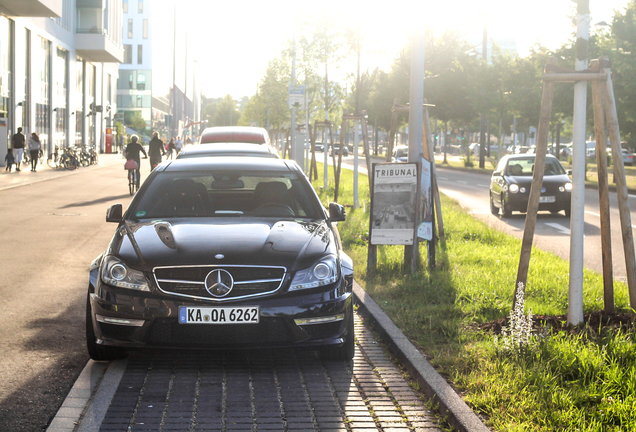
{"type": "Point", "coordinates": [133, 175]}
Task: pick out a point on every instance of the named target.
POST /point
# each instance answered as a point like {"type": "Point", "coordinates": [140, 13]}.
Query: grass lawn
{"type": "Point", "coordinates": [580, 379]}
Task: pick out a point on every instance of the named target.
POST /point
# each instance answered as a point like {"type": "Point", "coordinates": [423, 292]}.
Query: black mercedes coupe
{"type": "Point", "coordinates": [222, 253]}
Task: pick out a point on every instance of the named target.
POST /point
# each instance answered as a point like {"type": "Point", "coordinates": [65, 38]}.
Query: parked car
{"type": "Point", "coordinates": [628, 158]}
{"type": "Point", "coordinates": [336, 148]}
{"type": "Point", "coordinates": [222, 252]}
{"type": "Point", "coordinates": [319, 146]}
{"type": "Point", "coordinates": [228, 149]}
{"type": "Point", "coordinates": [244, 134]}
{"type": "Point", "coordinates": [510, 185]}
{"type": "Point", "coordinates": [400, 154]}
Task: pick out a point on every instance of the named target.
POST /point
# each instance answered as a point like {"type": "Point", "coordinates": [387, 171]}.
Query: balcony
{"type": "Point", "coordinates": [33, 8]}
{"type": "Point", "coordinates": [93, 40]}
{"type": "Point", "coordinates": [97, 47]}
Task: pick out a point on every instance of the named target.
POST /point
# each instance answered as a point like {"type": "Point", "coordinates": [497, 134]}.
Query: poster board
{"type": "Point", "coordinates": [394, 204]}
{"type": "Point", "coordinates": [425, 227]}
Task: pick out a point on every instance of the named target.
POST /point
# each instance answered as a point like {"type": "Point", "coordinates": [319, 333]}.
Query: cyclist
{"type": "Point", "coordinates": [132, 152]}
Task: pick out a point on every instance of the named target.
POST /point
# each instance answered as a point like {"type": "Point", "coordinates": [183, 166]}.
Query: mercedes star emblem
{"type": "Point", "coordinates": [219, 283]}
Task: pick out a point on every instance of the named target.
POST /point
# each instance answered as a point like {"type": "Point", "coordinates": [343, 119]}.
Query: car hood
{"type": "Point", "coordinates": [549, 179]}
{"type": "Point", "coordinates": [292, 244]}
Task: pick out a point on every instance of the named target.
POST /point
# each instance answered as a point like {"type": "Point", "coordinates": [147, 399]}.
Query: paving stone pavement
{"type": "Point", "coordinates": [278, 390]}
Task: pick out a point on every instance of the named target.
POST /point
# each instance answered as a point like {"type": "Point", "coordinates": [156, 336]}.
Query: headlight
{"type": "Point", "coordinates": [522, 190]}
{"type": "Point", "coordinates": [513, 188]}
{"type": "Point", "coordinates": [568, 187]}
{"type": "Point", "coordinates": [116, 273]}
{"type": "Point", "coordinates": [324, 272]}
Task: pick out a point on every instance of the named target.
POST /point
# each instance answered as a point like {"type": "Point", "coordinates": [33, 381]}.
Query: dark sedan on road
{"type": "Point", "coordinates": [218, 253]}
{"type": "Point", "coordinates": [510, 185]}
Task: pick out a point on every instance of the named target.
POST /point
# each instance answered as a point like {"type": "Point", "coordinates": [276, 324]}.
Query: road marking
{"type": "Point", "coordinates": [558, 227]}
{"type": "Point", "coordinates": [462, 182]}
{"type": "Point", "coordinates": [483, 185]}
{"type": "Point", "coordinates": [442, 178]}
{"type": "Point", "coordinates": [593, 214]}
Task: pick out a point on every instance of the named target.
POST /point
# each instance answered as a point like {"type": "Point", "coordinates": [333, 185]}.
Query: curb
{"type": "Point", "coordinates": [85, 406]}
{"type": "Point", "coordinates": [457, 413]}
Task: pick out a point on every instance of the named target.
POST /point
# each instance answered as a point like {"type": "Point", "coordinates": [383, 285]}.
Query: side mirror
{"type": "Point", "coordinates": [496, 174]}
{"type": "Point", "coordinates": [569, 172]}
{"type": "Point", "coordinates": [336, 212]}
{"type": "Point", "coordinates": [114, 213]}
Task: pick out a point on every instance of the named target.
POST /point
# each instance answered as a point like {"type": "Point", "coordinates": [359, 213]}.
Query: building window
{"type": "Point", "coordinates": [125, 4]}
{"type": "Point", "coordinates": [141, 6]}
{"type": "Point", "coordinates": [127, 54]}
{"type": "Point", "coordinates": [145, 29]}
{"type": "Point", "coordinates": [130, 29]}
{"type": "Point", "coordinates": [141, 81]}
{"type": "Point", "coordinates": [140, 54]}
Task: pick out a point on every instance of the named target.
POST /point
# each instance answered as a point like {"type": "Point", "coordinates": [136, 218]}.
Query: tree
{"type": "Point", "coordinates": [226, 113]}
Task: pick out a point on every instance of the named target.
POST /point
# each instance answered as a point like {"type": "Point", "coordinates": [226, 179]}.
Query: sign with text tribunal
{"type": "Point", "coordinates": [394, 204]}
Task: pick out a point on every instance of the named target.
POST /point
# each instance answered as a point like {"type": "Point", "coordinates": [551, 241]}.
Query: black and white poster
{"type": "Point", "coordinates": [394, 201]}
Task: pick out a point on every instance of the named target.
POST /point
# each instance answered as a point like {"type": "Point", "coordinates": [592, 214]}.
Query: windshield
{"type": "Point", "coordinates": [222, 193]}
{"type": "Point", "coordinates": [525, 167]}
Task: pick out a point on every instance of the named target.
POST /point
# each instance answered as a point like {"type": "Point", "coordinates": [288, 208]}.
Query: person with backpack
{"type": "Point", "coordinates": [132, 153]}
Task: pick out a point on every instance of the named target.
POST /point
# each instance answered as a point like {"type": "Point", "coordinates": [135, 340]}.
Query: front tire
{"type": "Point", "coordinates": [494, 210]}
{"type": "Point", "coordinates": [345, 351]}
{"type": "Point", "coordinates": [95, 351]}
{"type": "Point", "coordinates": [505, 209]}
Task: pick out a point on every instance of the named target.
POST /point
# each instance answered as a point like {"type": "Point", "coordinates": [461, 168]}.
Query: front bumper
{"type": "Point", "coordinates": [130, 319]}
{"type": "Point", "coordinates": [519, 202]}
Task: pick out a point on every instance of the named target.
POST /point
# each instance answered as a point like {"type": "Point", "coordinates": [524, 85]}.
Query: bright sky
{"type": "Point", "coordinates": [233, 41]}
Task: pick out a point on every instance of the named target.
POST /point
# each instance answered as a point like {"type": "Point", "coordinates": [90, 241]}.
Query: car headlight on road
{"type": "Point", "coordinates": [116, 273]}
{"type": "Point", "coordinates": [513, 188]}
{"type": "Point", "coordinates": [324, 272]}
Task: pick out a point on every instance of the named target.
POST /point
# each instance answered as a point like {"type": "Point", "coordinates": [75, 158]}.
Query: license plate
{"type": "Point", "coordinates": [218, 315]}
{"type": "Point", "coordinates": [546, 199]}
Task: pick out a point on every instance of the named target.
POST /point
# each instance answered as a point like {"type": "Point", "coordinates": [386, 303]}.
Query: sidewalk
{"type": "Point", "coordinates": [13, 179]}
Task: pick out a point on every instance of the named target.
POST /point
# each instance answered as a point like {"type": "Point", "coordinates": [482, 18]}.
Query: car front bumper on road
{"type": "Point", "coordinates": [136, 320]}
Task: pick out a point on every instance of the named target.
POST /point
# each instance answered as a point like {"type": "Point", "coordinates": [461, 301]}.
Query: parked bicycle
{"type": "Point", "coordinates": [66, 160]}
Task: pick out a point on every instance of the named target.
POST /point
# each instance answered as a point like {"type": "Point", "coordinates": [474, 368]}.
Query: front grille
{"type": "Point", "coordinates": [170, 332]}
{"type": "Point", "coordinates": [189, 281]}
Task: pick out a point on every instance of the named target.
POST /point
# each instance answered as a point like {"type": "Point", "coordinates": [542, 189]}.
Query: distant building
{"type": "Point", "coordinates": [156, 80]}
{"type": "Point", "coordinates": [58, 70]}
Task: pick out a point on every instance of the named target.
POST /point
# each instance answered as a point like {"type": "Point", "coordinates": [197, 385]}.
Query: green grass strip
{"type": "Point", "coordinates": [580, 380]}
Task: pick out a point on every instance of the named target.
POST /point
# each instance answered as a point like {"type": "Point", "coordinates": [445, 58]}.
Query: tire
{"type": "Point", "coordinates": [51, 163]}
{"type": "Point", "coordinates": [494, 210]}
{"type": "Point", "coordinates": [95, 351]}
{"type": "Point", "coordinates": [345, 351]}
{"type": "Point", "coordinates": [505, 210]}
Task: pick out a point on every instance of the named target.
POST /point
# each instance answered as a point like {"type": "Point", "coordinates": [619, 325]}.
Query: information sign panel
{"type": "Point", "coordinates": [393, 205]}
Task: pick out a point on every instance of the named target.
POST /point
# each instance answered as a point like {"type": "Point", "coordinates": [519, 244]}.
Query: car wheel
{"type": "Point", "coordinates": [494, 210]}
{"type": "Point", "coordinates": [95, 351]}
{"type": "Point", "coordinates": [346, 350]}
{"type": "Point", "coordinates": [505, 210]}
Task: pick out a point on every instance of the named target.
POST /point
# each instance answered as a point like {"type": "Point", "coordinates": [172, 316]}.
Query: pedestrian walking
{"type": "Point", "coordinates": [155, 150]}
{"type": "Point", "coordinates": [171, 148]}
{"type": "Point", "coordinates": [178, 144]}
{"type": "Point", "coordinates": [132, 152]}
{"type": "Point", "coordinates": [17, 142]}
{"type": "Point", "coordinates": [9, 159]}
{"type": "Point", "coordinates": [34, 149]}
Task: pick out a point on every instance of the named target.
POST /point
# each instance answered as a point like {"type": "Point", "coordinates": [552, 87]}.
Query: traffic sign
{"type": "Point", "coordinates": [296, 96]}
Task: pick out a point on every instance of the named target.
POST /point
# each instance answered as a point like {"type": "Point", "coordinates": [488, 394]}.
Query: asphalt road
{"type": "Point", "coordinates": [52, 231]}
{"type": "Point", "coordinates": [552, 233]}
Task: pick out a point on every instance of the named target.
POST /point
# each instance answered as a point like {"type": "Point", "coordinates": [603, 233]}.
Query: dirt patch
{"type": "Point", "coordinates": [593, 322]}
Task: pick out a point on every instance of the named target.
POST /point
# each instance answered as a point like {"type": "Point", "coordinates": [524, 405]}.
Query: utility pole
{"type": "Point", "coordinates": [416, 120]}
{"type": "Point", "coordinates": [482, 120]}
{"type": "Point", "coordinates": [577, 219]}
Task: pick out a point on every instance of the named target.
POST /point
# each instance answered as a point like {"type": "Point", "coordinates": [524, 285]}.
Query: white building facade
{"type": "Point", "coordinates": [58, 71]}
